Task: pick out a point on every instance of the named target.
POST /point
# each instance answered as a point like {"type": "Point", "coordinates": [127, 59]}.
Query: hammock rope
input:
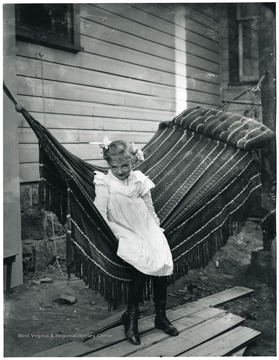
{"type": "Point", "coordinates": [205, 167]}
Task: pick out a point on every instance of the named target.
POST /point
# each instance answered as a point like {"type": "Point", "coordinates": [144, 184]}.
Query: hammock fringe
{"type": "Point", "coordinates": [116, 292]}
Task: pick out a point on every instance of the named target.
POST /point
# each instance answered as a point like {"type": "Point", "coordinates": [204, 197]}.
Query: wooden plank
{"type": "Point", "coordinates": [27, 136]}
{"type": "Point", "coordinates": [28, 153]}
{"type": "Point", "coordinates": [204, 42]}
{"type": "Point", "coordinates": [73, 75]}
{"type": "Point", "coordinates": [190, 315]}
{"type": "Point", "coordinates": [210, 11]}
{"type": "Point", "coordinates": [204, 75]}
{"type": "Point", "coordinates": [72, 349]}
{"type": "Point", "coordinates": [107, 323]}
{"type": "Point", "coordinates": [109, 34]}
{"type": "Point", "coordinates": [170, 18]}
{"type": "Point", "coordinates": [155, 336]}
{"type": "Point", "coordinates": [80, 136]}
{"type": "Point", "coordinates": [124, 39]}
{"type": "Point", "coordinates": [225, 296]}
{"type": "Point", "coordinates": [109, 64]}
{"type": "Point", "coordinates": [137, 57]}
{"type": "Point", "coordinates": [129, 15]}
{"type": "Point", "coordinates": [203, 98]}
{"type": "Point", "coordinates": [191, 13]}
{"type": "Point", "coordinates": [61, 121]}
{"type": "Point", "coordinates": [203, 87]}
{"type": "Point", "coordinates": [106, 49]}
{"type": "Point", "coordinates": [147, 323]}
{"type": "Point", "coordinates": [188, 338]}
{"type": "Point", "coordinates": [116, 334]}
{"type": "Point", "coordinates": [116, 16]}
{"type": "Point", "coordinates": [107, 57]}
{"type": "Point", "coordinates": [73, 92]}
{"type": "Point", "coordinates": [225, 344]}
{"type": "Point", "coordinates": [197, 50]}
{"type": "Point", "coordinates": [68, 107]}
{"type": "Point", "coordinates": [222, 297]}
{"type": "Point", "coordinates": [32, 68]}
{"type": "Point", "coordinates": [202, 104]}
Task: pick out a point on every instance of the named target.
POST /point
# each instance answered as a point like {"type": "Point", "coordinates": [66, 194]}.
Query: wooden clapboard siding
{"type": "Point", "coordinates": [86, 93]}
{"type": "Point", "coordinates": [58, 106]}
{"type": "Point", "coordinates": [59, 72]}
{"type": "Point", "coordinates": [64, 121]}
{"type": "Point", "coordinates": [82, 136]}
{"type": "Point", "coordinates": [141, 64]}
{"type": "Point", "coordinates": [84, 151]}
{"type": "Point", "coordinates": [146, 35]}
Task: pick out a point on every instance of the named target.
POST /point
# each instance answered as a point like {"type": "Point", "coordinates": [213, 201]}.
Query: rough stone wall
{"type": "Point", "coordinates": [43, 237]}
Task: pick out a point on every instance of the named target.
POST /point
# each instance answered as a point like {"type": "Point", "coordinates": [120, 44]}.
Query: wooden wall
{"type": "Point", "coordinates": [141, 64]}
{"type": "Point", "coordinates": [11, 231]}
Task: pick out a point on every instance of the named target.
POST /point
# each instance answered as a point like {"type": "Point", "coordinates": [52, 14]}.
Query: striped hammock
{"type": "Point", "coordinates": [205, 166]}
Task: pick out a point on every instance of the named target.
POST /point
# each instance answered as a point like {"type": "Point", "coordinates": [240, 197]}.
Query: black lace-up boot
{"type": "Point", "coordinates": [160, 295]}
{"type": "Point", "coordinates": [130, 318]}
{"type": "Point", "coordinates": [130, 321]}
{"type": "Point", "coordinates": [162, 322]}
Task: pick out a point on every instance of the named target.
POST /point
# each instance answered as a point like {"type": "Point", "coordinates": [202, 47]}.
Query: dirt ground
{"type": "Point", "coordinates": [33, 322]}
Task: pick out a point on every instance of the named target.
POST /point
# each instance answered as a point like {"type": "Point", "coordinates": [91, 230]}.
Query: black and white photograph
{"type": "Point", "coordinates": [139, 179]}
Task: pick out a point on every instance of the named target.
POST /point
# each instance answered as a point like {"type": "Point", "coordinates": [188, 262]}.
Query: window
{"type": "Point", "coordinates": [53, 25]}
{"type": "Point", "coordinates": [243, 43]}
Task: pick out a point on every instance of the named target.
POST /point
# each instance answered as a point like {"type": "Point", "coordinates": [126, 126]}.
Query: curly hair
{"type": "Point", "coordinates": [119, 150]}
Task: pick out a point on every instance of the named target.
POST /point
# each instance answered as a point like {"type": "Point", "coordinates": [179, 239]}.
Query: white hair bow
{"type": "Point", "coordinates": [103, 144]}
{"type": "Point", "coordinates": [137, 152]}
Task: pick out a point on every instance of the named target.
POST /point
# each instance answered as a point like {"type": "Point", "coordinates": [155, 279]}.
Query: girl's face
{"type": "Point", "coordinates": [120, 169]}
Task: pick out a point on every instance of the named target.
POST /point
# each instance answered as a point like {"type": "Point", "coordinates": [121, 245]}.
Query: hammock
{"type": "Point", "coordinates": [205, 166]}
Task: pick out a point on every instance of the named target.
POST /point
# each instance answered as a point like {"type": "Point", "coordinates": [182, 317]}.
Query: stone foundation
{"type": "Point", "coordinates": [43, 237]}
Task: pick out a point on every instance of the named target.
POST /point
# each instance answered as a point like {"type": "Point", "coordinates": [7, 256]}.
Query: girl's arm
{"type": "Point", "coordinates": [101, 202]}
{"type": "Point", "coordinates": [149, 203]}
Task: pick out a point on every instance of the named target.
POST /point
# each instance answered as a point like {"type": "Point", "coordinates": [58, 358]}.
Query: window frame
{"type": "Point", "coordinates": [71, 43]}
{"type": "Point", "coordinates": [240, 20]}
{"type": "Point", "coordinates": [235, 39]}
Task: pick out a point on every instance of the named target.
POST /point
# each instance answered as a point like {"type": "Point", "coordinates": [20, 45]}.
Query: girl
{"type": "Point", "coordinates": [123, 198]}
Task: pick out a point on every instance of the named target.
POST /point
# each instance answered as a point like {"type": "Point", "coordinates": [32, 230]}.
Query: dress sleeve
{"type": "Point", "coordinates": [149, 203]}
{"type": "Point", "coordinates": [101, 203]}
{"type": "Point", "coordinates": [145, 183]}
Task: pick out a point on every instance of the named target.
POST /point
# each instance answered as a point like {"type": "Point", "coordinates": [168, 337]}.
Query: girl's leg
{"type": "Point", "coordinates": [130, 317]}
{"type": "Point", "coordinates": [160, 298]}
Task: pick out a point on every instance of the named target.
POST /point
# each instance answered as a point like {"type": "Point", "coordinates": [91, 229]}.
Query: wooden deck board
{"type": "Point", "coordinates": [225, 344]}
{"type": "Point", "coordinates": [151, 336]}
{"type": "Point", "coordinates": [225, 296]}
{"type": "Point", "coordinates": [190, 337]}
{"type": "Point", "coordinates": [73, 348]}
{"type": "Point", "coordinates": [199, 323]}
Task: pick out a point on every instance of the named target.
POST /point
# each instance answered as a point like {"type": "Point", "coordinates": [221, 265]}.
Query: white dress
{"type": "Point", "coordinates": [127, 207]}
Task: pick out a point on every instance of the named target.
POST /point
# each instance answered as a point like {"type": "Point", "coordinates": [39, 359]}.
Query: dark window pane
{"type": "Point", "coordinates": [50, 24]}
